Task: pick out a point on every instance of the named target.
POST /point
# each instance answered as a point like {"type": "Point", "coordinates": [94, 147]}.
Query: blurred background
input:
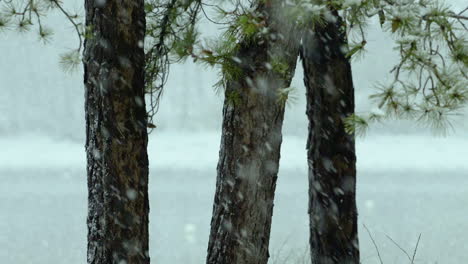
{"type": "Point", "coordinates": [410, 181]}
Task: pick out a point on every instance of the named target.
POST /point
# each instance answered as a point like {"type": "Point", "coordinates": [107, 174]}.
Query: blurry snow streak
{"type": "Point", "coordinates": [201, 152]}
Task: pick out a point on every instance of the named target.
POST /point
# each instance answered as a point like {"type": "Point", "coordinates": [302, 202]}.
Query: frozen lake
{"type": "Point", "coordinates": [406, 186]}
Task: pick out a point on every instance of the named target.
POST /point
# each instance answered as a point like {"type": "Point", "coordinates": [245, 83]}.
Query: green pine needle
{"type": "Point", "coordinates": [70, 61]}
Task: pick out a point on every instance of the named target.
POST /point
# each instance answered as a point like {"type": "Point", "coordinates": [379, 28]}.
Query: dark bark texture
{"type": "Point", "coordinates": [250, 144]}
{"type": "Point", "coordinates": [330, 150]}
{"type": "Point", "coordinates": [116, 135]}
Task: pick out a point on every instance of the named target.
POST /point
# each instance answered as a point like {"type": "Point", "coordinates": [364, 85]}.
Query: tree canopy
{"type": "Point", "coordinates": [429, 83]}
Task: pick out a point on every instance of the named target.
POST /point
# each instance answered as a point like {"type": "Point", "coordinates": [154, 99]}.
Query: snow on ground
{"type": "Point", "coordinates": [407, 185]}
{"type": "Point", "coordinates": [199, 151]}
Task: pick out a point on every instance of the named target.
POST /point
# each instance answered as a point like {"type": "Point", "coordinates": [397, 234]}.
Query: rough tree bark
{"type": "Point", "coordinates": [330, 150]}
{"type": "Point", "coordinates": [116, 135]}
{"type": "Point", "coordinates": [250, 144]}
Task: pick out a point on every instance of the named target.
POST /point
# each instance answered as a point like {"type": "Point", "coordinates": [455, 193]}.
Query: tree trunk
{"type": "Point", "coordinates": [330, 150]}
{"type": "Point", "coordinates": [250, 145]}
{"type": "Point", "coordinates": [116, 135]}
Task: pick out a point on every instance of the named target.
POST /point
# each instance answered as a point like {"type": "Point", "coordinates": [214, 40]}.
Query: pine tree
{"type": "Point", "coordinates": [333, 32]}
{"type": "Point", "coordinates": [259, 66]}
{"type": "Point", "coordinates": [440, 90]}
{"type": "Point", "coordinates": [116, 134]}
{"type": "Point", "coordinates": [117, 76]}
{"type": "Point", "coordinates": [257, 58]}
{"type": "Point", "coordinates": [331, 152]}
{"type": "Point", "coordinates": [429, 83]}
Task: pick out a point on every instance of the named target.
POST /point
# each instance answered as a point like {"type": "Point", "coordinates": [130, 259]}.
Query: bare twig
{"type": "Point", "coordinates": [373, 242]}
{"type": "Point", "coordinates": [396, 244]}
{"type": "Point", "coordinates": [75, 25]}
{"type": "Point", "coordinates": [415, 249]}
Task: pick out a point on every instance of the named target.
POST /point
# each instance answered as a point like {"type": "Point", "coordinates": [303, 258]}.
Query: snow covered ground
{"type": "Point", "coordinates": [407, 185]}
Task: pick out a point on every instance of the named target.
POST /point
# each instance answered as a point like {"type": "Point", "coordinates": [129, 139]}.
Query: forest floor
{"type": "Point", "coordinates": [407, 185]}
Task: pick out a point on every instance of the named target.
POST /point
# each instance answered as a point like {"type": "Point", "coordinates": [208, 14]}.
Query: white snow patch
{"type": "Point", "coordinates": [201, 152]}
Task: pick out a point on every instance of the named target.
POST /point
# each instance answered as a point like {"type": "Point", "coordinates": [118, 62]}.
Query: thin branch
{"type": "Point", "coordinates": [396, 244]}
{"type": "Point", "coordinates": [373, 242]}
{"type": "Point", "coordinates": [75, 25]}
{"type": "Point", "coordinates": [415, 249]}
